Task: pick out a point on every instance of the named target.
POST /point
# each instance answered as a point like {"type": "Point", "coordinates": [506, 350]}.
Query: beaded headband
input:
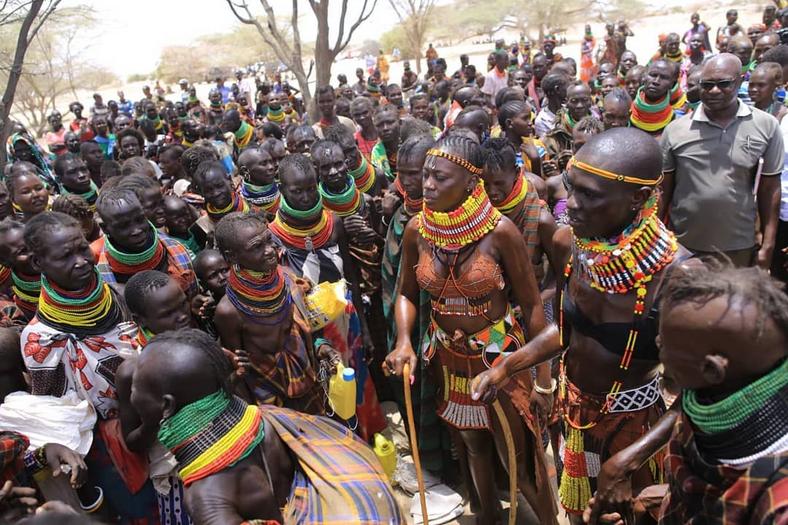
{"type": "Point", "coordinates": [459, 161]}
{"type": "Point", "coordinates": [599, 172]}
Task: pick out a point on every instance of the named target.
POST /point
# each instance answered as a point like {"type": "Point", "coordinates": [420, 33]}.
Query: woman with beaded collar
{"type": "Point", "coordinates": [615, 252]}
{"type": "Point", "coordinates": [465, 254]}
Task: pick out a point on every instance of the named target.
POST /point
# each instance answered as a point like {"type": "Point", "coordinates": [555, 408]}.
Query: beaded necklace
{"type": "Point", "coordinates": [124, 263]}
{"type": "Point", "coordinates": [89, 311]}
{"type": "Point", "coordinates": [90, 196]}
{"type": "Point", "coordinates": [243, 135]}
{"type": "Point", "coordinates": [730, 412]}
{"type": "Point", "coordinates": [265, 197]}
{"type": "Point", "coordinates": [651, 117]}
{"type": "Point", "coordinates": [677, 97]}
{"type": "Point", "coordinates": [262, 297]}
{"type": "Point", "coordinates": [412, 206]}
{"type": "Point", "coordinates": [276, 116]}
{"type": "Point", "coordinates": [211, 434]}
{"type": "Point", "coordinates": [237, 203]}
{"type": "Point", "coordinates": [364, 175]}
{"type": "Point", "coordinates": [346, 203]}
{"type": "Point", "coordinates": [307, 230]}
{"type": "Point", "coordinates": [676, 57]}
{"type": "Point", "coordinates": [26, 289]}
{"type": "Point", "coordinates": [569, 122]}
{"type": "Point", "coordinates": [515, 197]}
{"type": "Point", "coordinates": [624, 264]}
{"type": "Point", "coordinates": [466, 224]}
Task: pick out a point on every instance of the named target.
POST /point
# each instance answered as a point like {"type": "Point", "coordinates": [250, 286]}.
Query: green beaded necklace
{"type": "Point", "coordinates": [734, 409]}
{"type": "Point", "coordinates": [134, 259]}
{"type": "Point", "coordinates": [89, 196]}
{"type": "Point", "coordinates": [192, 418]}
{"type": "Point", "coordinates": [303, 215]}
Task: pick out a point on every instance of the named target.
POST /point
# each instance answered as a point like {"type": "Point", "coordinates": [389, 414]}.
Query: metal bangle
{"type": "Point", "coordinates": [546, 391]}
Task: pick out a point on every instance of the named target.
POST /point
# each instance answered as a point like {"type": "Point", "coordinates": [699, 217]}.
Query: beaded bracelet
{"type": "Point", "coordinates": [320, 341]}
{"type": "Point", "coordinates": [35, 460]}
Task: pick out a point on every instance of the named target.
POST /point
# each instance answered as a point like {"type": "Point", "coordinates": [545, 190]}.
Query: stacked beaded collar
{"type": "Point", "coordinates": [468, 223]}
{"type": "Point", "coordinates": [569, 122]}
{"type": "Point", "coordinates": [243, 135]}
{"type": "Point", "coordinates": [152, 258]}
{"type": "Point", "coordinates": [265, 197]}
{"type": "Point", "coordinates": [651, 117]}
{"type": "Point", "coordinates": [91, 311]}
{"type": "Point", "coordinates": [90, 196]}
{"type": "Point", "coordinates": [677, 97]}
{"type": "Point", "coordinates": [348, 202]}
{"type": "Point", "coordinates": [364, 176]}
{"type": "Point", "coordinates": [212, 434]}
{"type": "Point", "coordinates": [237, 203]}
{"type": "Point", "coordinates": [275, 115]}
{"type": "Point", "coordinates": [627, 262]}
{"type": "Point", "coordinates": [515, 197]}
{"type": "Point", "coordinates": [412, 206]}
{"type": "Point", "coordinates": [308, 230]}
{"type": "Point", "coordinates": [676, 57]}
{"type": "Point", "coordinates": [262, 297]}
{"type": "Point", "coordinates": [746, 425]}
{"type": "Point", "coordinates": [26, 289]}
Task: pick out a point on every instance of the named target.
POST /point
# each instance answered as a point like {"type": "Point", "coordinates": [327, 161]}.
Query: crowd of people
{"type": "Point", "coordinates": [583, 259]}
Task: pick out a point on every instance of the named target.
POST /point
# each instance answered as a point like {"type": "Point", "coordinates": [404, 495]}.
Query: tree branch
{"type": "Point", "coordinates": [361, 18]}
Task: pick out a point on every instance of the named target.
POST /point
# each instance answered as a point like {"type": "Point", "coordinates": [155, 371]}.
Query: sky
{"type": "Point", "coordinates": [131, 33]}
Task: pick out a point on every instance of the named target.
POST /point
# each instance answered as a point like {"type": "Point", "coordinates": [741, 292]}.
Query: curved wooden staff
{"type": "Point", "coordinates": [512, 456]}
{"type": "Point", "coordinates": [414, 442]}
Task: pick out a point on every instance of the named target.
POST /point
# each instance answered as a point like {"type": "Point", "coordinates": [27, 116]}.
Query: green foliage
{"type": "Point", "coordinates": [138, 77]}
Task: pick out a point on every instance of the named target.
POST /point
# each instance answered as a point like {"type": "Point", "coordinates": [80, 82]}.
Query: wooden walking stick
{"type": "Point", "coordinates": [414, 442]}
{"type": "Point", "coordinates": [512, 457]}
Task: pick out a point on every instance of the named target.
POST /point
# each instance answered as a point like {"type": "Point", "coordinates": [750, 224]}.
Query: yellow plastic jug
{"type": "Point", "coordinates": [342, 392]}
{"type": "Point", "coordinates": [386, 453]}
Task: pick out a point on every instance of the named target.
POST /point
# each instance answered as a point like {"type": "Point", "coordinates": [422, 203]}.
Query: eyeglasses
{"type": "Point", "coordinates": [708, 85]}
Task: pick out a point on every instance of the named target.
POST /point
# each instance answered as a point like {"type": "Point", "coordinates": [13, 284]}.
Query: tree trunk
{"type": "Point", "coordinates": [15, 73]}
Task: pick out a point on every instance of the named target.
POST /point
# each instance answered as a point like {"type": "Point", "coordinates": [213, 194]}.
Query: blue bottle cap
{"type": "Point", "coordinates": [348, 374]}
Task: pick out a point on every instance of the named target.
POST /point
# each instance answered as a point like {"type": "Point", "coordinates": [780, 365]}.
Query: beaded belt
{"type": "Point", "coordinates": [636, 398]}
{"type": "Point", "coordinates": [466, 307]}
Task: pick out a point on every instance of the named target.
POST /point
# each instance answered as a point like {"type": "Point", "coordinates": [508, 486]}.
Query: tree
{"type": "Point", "coordinates": [31, 16]}
{"type": "Point", "coordinates": [290, 51]}
{"type": "Point", "coordinates": [415, 18]}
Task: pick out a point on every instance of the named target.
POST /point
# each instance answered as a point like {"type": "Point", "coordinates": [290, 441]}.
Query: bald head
{"type": "Point", "coordinates": [727, 62]}
{"type": "Point", "coordinates": [625, 151]}
{"type": "Point", "coordinates": [464, 95]}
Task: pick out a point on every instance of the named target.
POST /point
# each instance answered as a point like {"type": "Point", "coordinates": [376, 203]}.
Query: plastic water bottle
{"type": "Point", "coordinates": [342, 392]}
{"type": "Point", "coordinates": [386, 453]}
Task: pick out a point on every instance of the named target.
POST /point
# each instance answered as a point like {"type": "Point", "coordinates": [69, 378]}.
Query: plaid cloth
{"type": "Point", "coordinates": [339, 480]}
{"type": "Point", "coordinates": [526, 218]}
{"type": "Point", "coordinates": [12, 454]}
{"type": "Point", "coordinates": [179, 263]}
{"type": "Point", "coordinates": [700, 493]}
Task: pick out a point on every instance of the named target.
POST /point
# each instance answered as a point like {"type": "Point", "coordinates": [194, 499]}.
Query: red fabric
{"type": "Point", "coordinates": [132, 467]}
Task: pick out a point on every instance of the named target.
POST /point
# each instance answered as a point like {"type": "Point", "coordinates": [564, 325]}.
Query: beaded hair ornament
{"type": "Point", "coordinates": [605, 174]}
{"type": "Point", "coordinates": [459, 161]}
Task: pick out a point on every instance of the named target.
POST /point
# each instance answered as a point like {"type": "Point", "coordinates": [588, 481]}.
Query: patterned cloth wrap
{"type": "Point", "coordinates": [630, 415]}
{"type": "Point", "coordinates": [60, 362]}
{"type": "Point", "coordinates": [339, 480]}
{"type": "Point", "coordinates": [700, 492]}
{"type": "Point", "coordinates": [179, 264]}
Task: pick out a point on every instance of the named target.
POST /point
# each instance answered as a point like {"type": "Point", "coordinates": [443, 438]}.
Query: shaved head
{"type": "Point", "coordinates": [625, 151]}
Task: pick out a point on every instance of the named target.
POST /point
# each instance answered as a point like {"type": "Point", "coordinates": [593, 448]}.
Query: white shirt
{"type": "Point", "coordinates": [784, 176]}
{"type": "Point", "coordinates": [544, 122]}
{"type": "Point", "coordinates": [493, 83]}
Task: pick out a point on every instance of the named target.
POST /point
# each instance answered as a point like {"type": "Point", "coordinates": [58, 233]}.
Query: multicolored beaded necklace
{"type": "Point", "coordinates": [307, 230]}
{"type": "Point", "coordinates": [412, 206]}
{"type": "Point", "coordinates": [265, 197]}
{"type": "Point", "coordinates": [91, 311]}
{"type": "Point", "coordinates": [619, 266]}
{"type": "Point", "coordinates": [364, 176]}
{"type": "Point", "coordinates": [243, 135]}
{"type": "Point", "coordinates": [676, 57]}
{"type": "Point", "coordinates": [212, 434]}
{"type": "Point", "coordinates": [151, 258]}
{"type": "Point", "coordinates": [90, 196]}
{"type": "Point", "coordinates": [569, 122]}
{"type": "Point", "coordinates": [237, 203]}
{"type": "Point", "coordinates": [650, 117]}
{"type": "Point", "coordinates": [262, 297]}
{"type": "Point", "coordinates": [26, 289]}
{"type": "Point", "coordinates": [677, 97]}
{"type": "Point", "coordinates": [515, 197]}
{"type": "Point", "coordinates": [346, 203]}
{"type": "Point", "coordinates": [469, 222]}
{"type": "Point", "coordinates": [276, 116]}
